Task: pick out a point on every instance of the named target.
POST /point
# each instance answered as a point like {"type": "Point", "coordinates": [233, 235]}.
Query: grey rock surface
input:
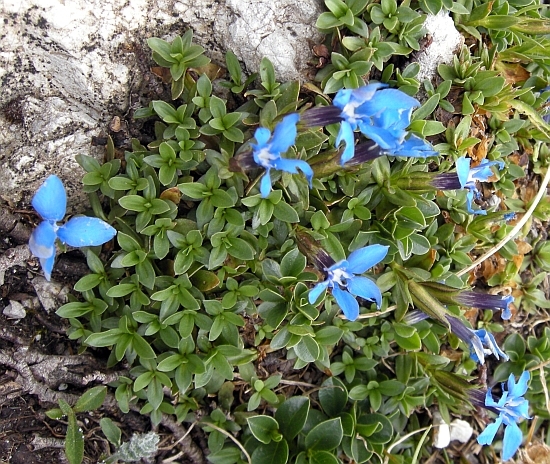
{"type": "Point", "coordinates": [14, 310]}
{"type": "Point", "coordinates": [51, 294]}
{"type": "Point", "coordinates": [68, 66]}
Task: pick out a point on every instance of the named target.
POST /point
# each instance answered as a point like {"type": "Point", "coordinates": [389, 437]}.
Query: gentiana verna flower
{"type": "Point", "coordinates": [480, 342]}
{"type": "Point", "coordinates": [486, 301]}
{"type": "Point", "coordinates": [267, 152]}
{"type": "Point", "coordinates": [487, 340]}
{"type": "Point", "coordinates": [382, 115]}
{"type": "Point", "coordinates": [50, 201]}
{"type": "Point", "coordinates": [455, 296]}
{"type": "Point", "coordinates": [511, 408]}
{"type": "Point", "coordinates": [469, 175]}
{"type": "Point", "coordinates": [345, 274]}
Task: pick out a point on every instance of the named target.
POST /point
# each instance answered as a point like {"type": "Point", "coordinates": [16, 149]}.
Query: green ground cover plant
{"type": "Point", "coordinates": [307, 274]}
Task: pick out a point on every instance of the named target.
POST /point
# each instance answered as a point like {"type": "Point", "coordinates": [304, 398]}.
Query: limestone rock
{"type": "Point", "coordinates": [446, 40]}
{"type": "Point", "coordinates": [68, 67]}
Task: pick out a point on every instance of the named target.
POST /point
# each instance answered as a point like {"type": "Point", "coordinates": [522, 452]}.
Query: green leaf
{"type": "Point", "coordinates": [92, 399]}
{"type": "Point", "coordinates": [325, 436]}
{"type": "Point", "coordinates": [412, 343]}
{"type": "Point", "coordinates": [166, 111]}
{"type": "Point", "coordinates": [143, 349]}
{"type": "Point", "coordinates": [272, 453]}
{"type": "Point", "coordinates": [74, 440]}
{"type": "Point", "coordinates": [292, 416]}
{"type": "Point", "coordinates": [240, 249]}
{"type": "Point", "coordinates": [333, 396]}
{"type": "Point", "coordinates": [193, 190]}
{"type": "Point", "coordinates": [284, 212]}
{"type": "Point", "coordinates": [293, 263]}
{"type": "Point", "coordinates": [263, 428]}
{"type": "Point", "coordinates": [323, 457]}
{"type": "Point", "coordinates": [111, 431]}
{"type": "Point", "coordinates": [307, 349]}
{"type": "Point", "coordinates": [87, 282]}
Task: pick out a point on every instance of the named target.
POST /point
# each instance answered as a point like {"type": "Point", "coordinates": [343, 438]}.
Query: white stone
{"type": "Point", "coordinates": [446, 40]}
{"type": "Point", "coordinates": [14, 310]}
{"type": "Point", "coordinates": [461, 430]}
{"type": "Point", "coordinates": [442, 431]}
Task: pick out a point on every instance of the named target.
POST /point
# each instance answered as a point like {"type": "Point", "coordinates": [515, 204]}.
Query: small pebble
{"type": "Point", "coordinates": [14, 310]}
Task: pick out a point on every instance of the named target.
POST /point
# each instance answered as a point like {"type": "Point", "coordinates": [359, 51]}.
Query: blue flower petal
{"type": "Point", "coordinates": [393, 105]}
{"type": "Point", "coordinates": [463, 170]}
{"type": "Point", "coordinates": [512, 441]}
{"type": "Point", "coordinates": [364, 258]}
{"type": "Point", "coordinates": [342, 265]}
{"type": "Point", "coordinates": [51, 200]}
{"type": "Point", "coordinates": [265, 184]}
{"type": "Point", "coordinates": [520, 388]}
{"type": "Point", "coordinates": [483, 171]}
{"type": "Point", "coordinates": [342, 98]}
{"type": "Point", "coordinates": [292, 166]}
{"type": "Point", "coordinates": [489, 341]}
{"type": "Point", "coordinates": [506, 311]}
{"type": "Point", "coordinates": [42, 241]}
{"type": "Point", "coordinates": [284, 134]}
{"type": "Point", "coordinates": [348, 304]}
{"type": "Point", "coordinates": [475, 345]}
{"type": "Point", "coordinates": [415, 147]}
{"type": "Point", "coordinates": [316, 291]}
{"type": "Point", "coordinates": [488, 435]}
{"type": "Point", "coordinates": [364, 288]}
{"type": "Point", "coordinates": [382, 136]}
{"type": "Point", "coordinates": [346, 134]}
{"type": "Point", "coordinates": [47, 266]}
{"type": "Point", "coordinates": [262, 136]}
{"type": "Point", "coordinates": [85, 231]}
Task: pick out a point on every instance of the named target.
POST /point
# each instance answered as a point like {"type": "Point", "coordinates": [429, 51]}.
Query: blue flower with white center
{"type": "Point", "coordinates": [469, 175]}
{"type": "Point", "coordinates": [343, 274]}
{"type": "Point", "coordinates": [267, 152]}
{"type": "Point", "coordinates": [50, 201]}
{"type": "Point", "coordinates": [511, 408]}
{"type": "Point", "coordinates": [382, 115]}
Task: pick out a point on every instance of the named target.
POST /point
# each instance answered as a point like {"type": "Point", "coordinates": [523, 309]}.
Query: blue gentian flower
{"type": "Point", "coordinates": [480, 342]}
{"type": "Point", "coordinates": [469, 175]}
{"type": "Point", "coordinates": [511, 407]}
{"type": "Point", "coordinates": [51, 202]}
{"type": "Point", "coordinates": [267, 152]}
{"type": "Point", "coordinates": [483, 338]}
{"type": "Point", "coordinates": [486, 301]}
{"type": "Point", "coordinates": [343, 274]}
{"type": "Point", "coordinates": [382, 115]}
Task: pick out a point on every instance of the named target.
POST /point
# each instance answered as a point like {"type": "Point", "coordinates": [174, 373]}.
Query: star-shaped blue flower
{"type": "Point", "coordinates": [511, 407]}
{"type": "Point", "coordinates": [267, 152]}
{"type": "Point", "coordinates": [382, 115]}
{"type": "Point", "coordinates": [51, 202]}
{"type": "Point", "coordinates": [343, 274]}
{"type": "Point", "coordinates": [468, 177]}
